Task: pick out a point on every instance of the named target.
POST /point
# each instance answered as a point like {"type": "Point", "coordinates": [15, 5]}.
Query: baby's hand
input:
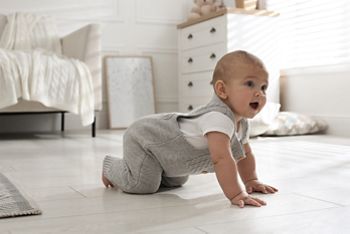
{"type": "Point", "coordinates": [244, 199]}
{"type": "Point", "coordinates": [257, 186]}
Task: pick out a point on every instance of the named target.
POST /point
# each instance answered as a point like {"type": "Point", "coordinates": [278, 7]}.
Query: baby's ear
{"type": "Point", "coordinates": [220, 89]}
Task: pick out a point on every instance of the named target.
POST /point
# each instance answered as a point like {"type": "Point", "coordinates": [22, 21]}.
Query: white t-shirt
{"type": "Point", "coordinates": [194, 129]}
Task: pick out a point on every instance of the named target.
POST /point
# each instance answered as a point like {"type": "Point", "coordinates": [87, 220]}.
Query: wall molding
{"type": "Point", "coordinates": [338, 68]}
{"type": "Point", "coordinates": [88, 20]}
{"type": "Point", "coordinates": [167, 100]}
{"type": "Point", "coordinates": [157, 22]}
{"type": "Point", "coordinates": [140, 19]}
{"type": "Point", "coordinates": [112, 49]}
{"type": "Point", "coordinates": [105, 11]}
{"type": "Point", "coordinates": [157, 49]}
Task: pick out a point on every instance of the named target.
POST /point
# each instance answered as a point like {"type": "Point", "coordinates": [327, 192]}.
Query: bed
{"type": "Point", "coordinates": [83, 45]}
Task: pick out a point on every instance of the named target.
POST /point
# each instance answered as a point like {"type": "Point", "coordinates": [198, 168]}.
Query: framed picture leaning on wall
{"type": "Point", "coordinates": [130, 89]}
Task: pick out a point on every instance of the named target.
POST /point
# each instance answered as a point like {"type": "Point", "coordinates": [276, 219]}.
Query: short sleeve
{"type": "Point", "coordinates": [245, 140]}
{"type": "Point", "coordinates": [216, 122]}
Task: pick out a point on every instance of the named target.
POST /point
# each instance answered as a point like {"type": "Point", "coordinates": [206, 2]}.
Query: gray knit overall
{"type": "Point", "coordinates": [156, 152]}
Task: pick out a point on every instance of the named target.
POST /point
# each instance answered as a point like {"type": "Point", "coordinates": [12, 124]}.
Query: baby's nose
{"type": "Point", "coordinates": [259, 93]}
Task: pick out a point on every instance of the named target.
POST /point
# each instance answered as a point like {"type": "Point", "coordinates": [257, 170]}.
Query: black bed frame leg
{"type": "Point", "coordinates": [62, 121]}
{"type": "Point", "coordinates": [93, 127]}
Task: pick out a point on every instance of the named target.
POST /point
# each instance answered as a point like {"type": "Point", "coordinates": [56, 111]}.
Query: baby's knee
{"type": "Point", "coordinates": [142, 190]}
{"type": "Point", "coordinates": [174, 181]}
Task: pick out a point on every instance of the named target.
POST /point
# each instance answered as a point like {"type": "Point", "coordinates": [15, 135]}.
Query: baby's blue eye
{"type": "Point", "coordinates": [264, 88]}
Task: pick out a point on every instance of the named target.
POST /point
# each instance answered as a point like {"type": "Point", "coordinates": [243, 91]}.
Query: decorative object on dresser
{"type": "Point", "coordinates": [247, 4]}
{"type": "Point", "coordinates": [205, 7]}
{"type": "Point", "coordinates": [42, 73]}
{"type": "Point", "coordinates": [130, 89]}
{"type": "Point", "coordinates": [202, 42]}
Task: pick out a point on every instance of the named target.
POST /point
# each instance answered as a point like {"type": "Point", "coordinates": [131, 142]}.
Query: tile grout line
{"type": "Point", "coordinates": [318, 199]}
{"type": "Point", "coordinates": [104, 212]}
{"type": "Point", "coordinates": [211, 223]}
{"type": "Point", "coordinates": [270, 216]}
{"type": "Point", "coordinates": [77, 191]}
{"type": "Point", "coordinates": [198, 228]}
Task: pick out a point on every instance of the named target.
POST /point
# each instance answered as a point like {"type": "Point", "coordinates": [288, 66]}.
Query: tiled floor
{"type": "Point", "coordinates": [63, 175]}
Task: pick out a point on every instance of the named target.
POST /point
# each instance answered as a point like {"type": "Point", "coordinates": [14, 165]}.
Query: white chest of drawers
{"type": "Point", "coordinates": [202, 44]}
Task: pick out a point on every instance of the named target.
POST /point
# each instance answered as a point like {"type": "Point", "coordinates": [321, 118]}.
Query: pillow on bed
{"type": "Point", "coordinates": [289, 124]}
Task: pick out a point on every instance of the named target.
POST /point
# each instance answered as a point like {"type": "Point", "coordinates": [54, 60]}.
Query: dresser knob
{"type": "Point", "coordinates": [213, 56]}
{"type": "Point", "coordinates": [212, 30]}
{"type": "Point", "coordinates": [190, 84]}
{"type": "Point", "coordinates": [190, 36]}
{"type": "Point", "coordinates": [211, 82]}
{"type": "Point", "coordinates": [190, 60]}
{"type": "Point", "coordinates": [190, 107]}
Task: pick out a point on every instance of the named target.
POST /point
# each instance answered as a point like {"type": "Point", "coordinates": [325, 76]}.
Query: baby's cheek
{"type": "Point", "coordinates": [263, 103]}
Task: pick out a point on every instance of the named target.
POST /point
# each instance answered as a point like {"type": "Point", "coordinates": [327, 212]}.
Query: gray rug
{"type": "Point", "coordinates": [13, 202]}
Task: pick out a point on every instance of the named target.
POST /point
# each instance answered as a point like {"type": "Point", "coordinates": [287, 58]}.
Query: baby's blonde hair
{"type": "Point", "coordinates": [230, 61]}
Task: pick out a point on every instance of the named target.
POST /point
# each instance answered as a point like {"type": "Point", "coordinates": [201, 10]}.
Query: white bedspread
{"type": "Point", "coordinates": [55, 82]}
{"type": "Point", "coordinates": [40, 74]}
{"type": "Point", "coordinates": [26, 31]}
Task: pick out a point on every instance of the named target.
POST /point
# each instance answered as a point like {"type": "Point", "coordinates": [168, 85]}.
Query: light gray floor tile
{"type": "Point", "coordinates": [63, 174]}
{"type": "Point", "coordinates": [334, 220]}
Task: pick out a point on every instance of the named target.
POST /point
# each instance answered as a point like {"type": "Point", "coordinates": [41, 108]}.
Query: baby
{"type": "Point", "coordinates": [164, 149]}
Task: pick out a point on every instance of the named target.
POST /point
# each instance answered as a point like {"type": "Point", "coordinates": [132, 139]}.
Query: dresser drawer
{"type": "Point", "coordinates": [196, 84]}
{"type": "Point", "coordinates": [201, 59]}
{"type": "Point", "coordinates": [187, 104]}
{"type": "Point", "coordinates": [202, 34]}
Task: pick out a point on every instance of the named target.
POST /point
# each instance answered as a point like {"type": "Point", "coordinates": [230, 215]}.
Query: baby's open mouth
{"type": "Point", "coordinates": [254, 105]}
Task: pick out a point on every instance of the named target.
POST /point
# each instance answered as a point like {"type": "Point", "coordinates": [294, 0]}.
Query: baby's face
{"type": "Point", "coordinates": [246, 90]}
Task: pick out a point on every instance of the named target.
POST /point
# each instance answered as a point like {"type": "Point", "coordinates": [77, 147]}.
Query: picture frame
{"type": "Point", "coordinates": [130, 88]}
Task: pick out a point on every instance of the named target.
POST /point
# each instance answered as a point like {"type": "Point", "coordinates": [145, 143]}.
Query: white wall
{"type": "Point", "coordinates": [322, 92]}
{"type": "Point", "coordinates": [130, 27]}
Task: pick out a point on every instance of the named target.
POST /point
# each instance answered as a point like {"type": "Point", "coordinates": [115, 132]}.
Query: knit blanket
{"type": "Point", "coordinates": [26, 31]}
{"type": "Point", "coordinates": [34, 70]}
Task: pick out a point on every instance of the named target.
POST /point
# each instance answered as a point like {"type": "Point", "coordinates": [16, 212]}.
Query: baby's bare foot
{"type": "Point", "coordinates": [106, 182]}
